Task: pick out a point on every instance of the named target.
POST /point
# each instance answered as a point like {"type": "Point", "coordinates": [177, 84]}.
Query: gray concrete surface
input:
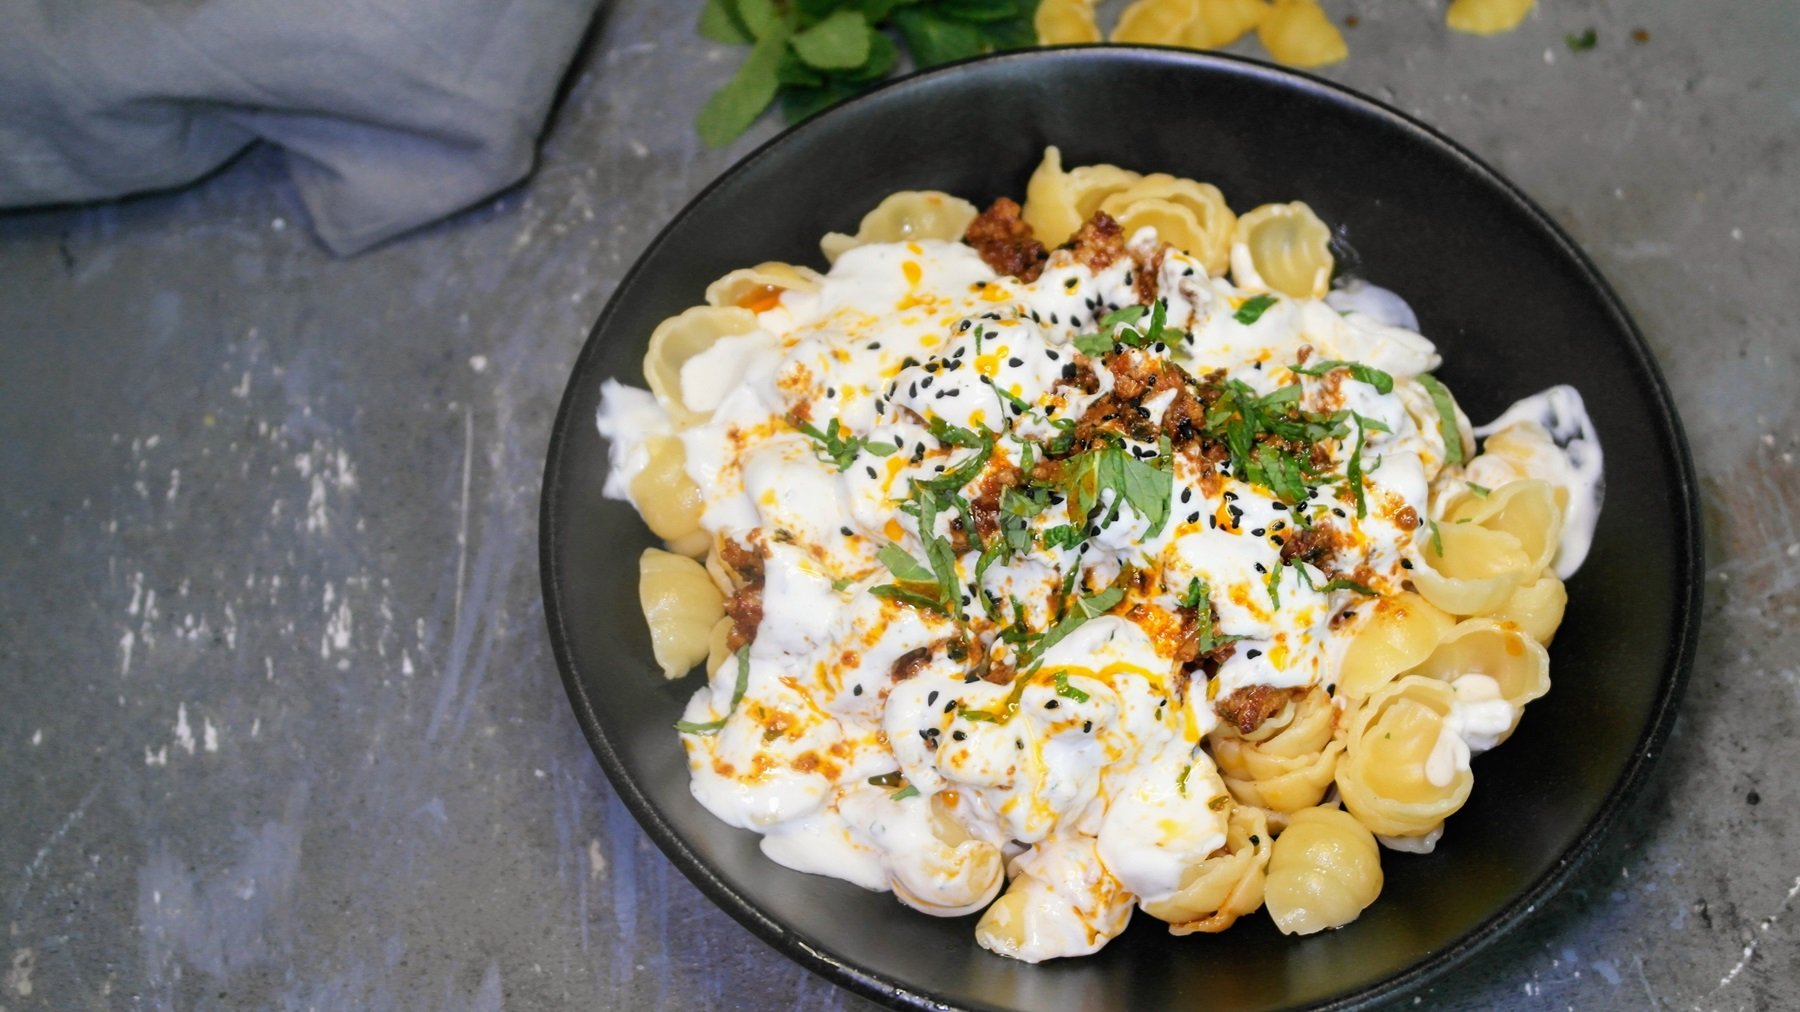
{"type": "Point", "coordinates": [279, 725]}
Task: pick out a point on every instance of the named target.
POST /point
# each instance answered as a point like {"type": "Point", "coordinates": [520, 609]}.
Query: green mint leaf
{"type": "Point", "coordinates": [840, 42]}
{"type": "Point", "coordinates": [1447, 426]}
{"type": "Point", "coordinates": [1252, 309]}
{"type": "Point", "coordinates": [719, 22]}
{"type": "Point", "coordinates": [1063, 536]}
{"type": "Point", "coordinates": [1093, 345]}
{"type": "Point", "coordinates": [737, 696]}
{"type": "Point", "coordinates": [1079, 612]}
{"type": "Point", "coordinates": [1065, 690]}
{"type": "Point", "coordinates": [1275, 586]}
{"type": "Point", "coordinates": [1583, 42]}
{"type": "Point", "coordinates": [1437, 538]}
{"type": "Point", "coordinates": [978, 10]}
{"type": "Point", "coordinates": [909, 791]}
{"type": "Point", "coordinates": [1480, 491]}
{"type": "Point", "coordinates": [1381, 381]}
{"type": "Point", "coordinates": [901, 563]}
{"type": "Point", "coordinates": [1124, 316]}
{"type": "Point", "coordinates": [934, 39]}
{"type": "Point", "coordinates": [736, 105]}
{"type": "Point", "coordinates": [763, 18]}
{"type": "Point", "coordinates": [895, 592]}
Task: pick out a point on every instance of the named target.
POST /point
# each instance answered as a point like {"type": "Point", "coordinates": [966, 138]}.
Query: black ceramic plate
{"type": "Point", "coordinates": [1511, 302]}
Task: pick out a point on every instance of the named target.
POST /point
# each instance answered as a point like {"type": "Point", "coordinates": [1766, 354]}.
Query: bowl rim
{"type": "Point", "coordinates": [1684, 632]}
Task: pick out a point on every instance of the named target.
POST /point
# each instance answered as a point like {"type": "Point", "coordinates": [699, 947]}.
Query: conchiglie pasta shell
{"type": "Point", "coordinates": [1065, 22]}
{"type": "Point", "coordinates": [1277, 783]}
{"type": "Point", "coordinates": [681, 606]}
{"type": "Point", "coordinates": [1289, 247]}
{"type": "Point", "coordinates": [1155, 22]}
{"type": "Point", "coordinates": [1475, 573]}
{"type": "Point", "coordinates": [1536, 607]}
{"type": "Point", "coordinates": [953, 874]}
{"type": "Point", "coordinates": [1382, 776]}
{"type": "Point", "coordinates": [1487, 17]}
{"type": "Point", "coordinates": [1505, 653]}
{"type": "Point", "coordinates": [718, 645]}
{"type": "Point", "coordinates": [678, 339]}
{"type": "Point", "coordinates": [1092, 184]}
{"type": "Point", "coordinates": [665, 496]}
{"type": "Point", "coordinates": [1399, 633]}
{"type": "Point", "coordinates": [759, 288]}
{"type": "Point", "coordinates": [1222, 22]}
{"type": "Point", "coordinates": [1528, 510]}
{"type": "Point", "coordinates": [1300, 34]}
{"type": "Point", "coordinates": [1191, 216]}
{"type": "Point", "coordinates": [1324, 871]}
{"type": "Point", "coordinates": [908, 215]}
{"type": "Point", "coordinates": [1050, 201]}
{"type": "Point", "coordinates": [1224, 887]}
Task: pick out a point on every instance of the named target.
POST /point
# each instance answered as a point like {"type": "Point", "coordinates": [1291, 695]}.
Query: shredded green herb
{"type": "Point", "coordinates": [1446, 410]}
{"type": "Point", "coordinates": [1253, 308]}
{"type": "Point", "coordinates": [737, 696]}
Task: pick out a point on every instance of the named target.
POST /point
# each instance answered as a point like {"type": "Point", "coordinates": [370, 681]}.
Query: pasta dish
{"type": "Point", "coordinates": [1090, 555]}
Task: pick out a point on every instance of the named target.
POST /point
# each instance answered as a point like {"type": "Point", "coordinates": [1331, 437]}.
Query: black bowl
{"type": "Point", "coordinates": [1513, 305]}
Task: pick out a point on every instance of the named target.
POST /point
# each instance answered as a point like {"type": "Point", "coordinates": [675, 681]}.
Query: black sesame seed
{"type": "Point", "coordinates": [1213, 522]}
{"type": "Point", "coordinates": [1253, 653]}
{"type": "Point", "coordinates": [1257, 532]}
{"type": "Point", "coordinates": [1405, 563]}
{"type": "Point", "coordinates": [1087, 727]}
{"type": "Point", "coordinates": [870, 471]}
{"type": "Point", "coordinates": [1015, 362]}
{"type": "Point", "coordinates": [1260, 569]}
{"type": "Point", "coordinates": [1019, 743]}
{"type": "Point", "coordinates": [1187, 495]}
{"type": "Point", "coordinates": [925, 384]}
{"type": "Point", "coordinates": [846, 532]}
{"type": "Point", "coordinates": [856, 690]}
{"type": "Point", "coordinates": [958, 735]}
{"type": "Point", "coordinates": [951, 705]}
{"type": "Point", "coordinates": [953, 392]}
{"type": "Point", "coordinates": [1279, 505]}
{"type": "Point", "coordinates": [1051, 705]}
{"type": "Point", "coordinates": [931, 700]}
{"type": "Point", "coordinates": [1194, 517]}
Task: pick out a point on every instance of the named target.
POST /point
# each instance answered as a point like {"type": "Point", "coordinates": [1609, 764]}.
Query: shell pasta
{"type": "Point", "coordinates": [1097, 553]}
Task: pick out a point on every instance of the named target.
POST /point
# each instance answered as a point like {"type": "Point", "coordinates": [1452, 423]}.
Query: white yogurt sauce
{"type": "Point", "coordinates": [1083, 762]}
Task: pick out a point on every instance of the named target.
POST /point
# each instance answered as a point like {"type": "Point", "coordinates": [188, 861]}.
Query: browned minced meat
{"type": "Point", "coordinates": [1310, 544]}
{"type": "Point", "coordinates": [745, 608]}
{"type": "Point", "coordinates": [985, 506]}
{"type": "Point", "coordinates": [1097, 243]}
{"type": "Point", "coordinates": [909, 663]}
{"type": "Point", "coordinates": [1136, 378]}
{"type": "Point", "coordinates": [1247, 708]}
{"type": "Point", "coordinates": [1149, 268]}
{"type": "Point", "coordinates": [1005, 242]}
{"type": "Point", "coordinates": [744, 605]}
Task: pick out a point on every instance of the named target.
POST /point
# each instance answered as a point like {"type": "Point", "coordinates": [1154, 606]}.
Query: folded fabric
{"type": "Point", "coordinates": [392, 112]}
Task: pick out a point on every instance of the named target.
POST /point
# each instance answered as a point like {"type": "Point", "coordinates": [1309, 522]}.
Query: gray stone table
{"type": "Point", "coordinates": [279, 723]}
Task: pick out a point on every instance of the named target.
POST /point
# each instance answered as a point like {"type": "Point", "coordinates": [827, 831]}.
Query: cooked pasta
{"type": "Point", "coordinates": [1323, 871]}
{"type": "Point", "coordinates": [1300, 34]}
{"type": "Point", "coordinates": [681, 605]}
{"type": "Point", "coordinates": [1487, 17]}
{"type": "Point", "coordinates": [907, 215]}
{"type": "Point", "coordinates": [1065, 22]}
{"type": "Point", "coordinates": [1092, 561]}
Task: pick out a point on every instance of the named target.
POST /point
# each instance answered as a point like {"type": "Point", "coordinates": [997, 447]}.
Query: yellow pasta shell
{"type": "Point", "coordinates": [1224, 887]}
{"type": "Point", "coordinates": [1156, 22]}
{"type": "Point", "coordinates": [1324, 871]}
{"type": "Point", "coordinates": [1487, 17]}
{"type": "Point", "coordinates": [1065, 22]}
{"type": "Point", "coordinates": [755, 288]}
{"type": "Point", "coordinates": [1382, 776]}
{"type": "Point", "coordinates": [1300, 34]}
{"type": "Point", "coordinates": [1289, 247]}
{"type": "Point", "coordinates": [1399, 633]}
{"type": "Point", "coordinates": [1219, 23]}
{"type": "Point", "coordinates": [681, 606]}
{"type": "Point", "coordinates": [680, 338]}
{"type": "Point", "coordinates": [903, 216]}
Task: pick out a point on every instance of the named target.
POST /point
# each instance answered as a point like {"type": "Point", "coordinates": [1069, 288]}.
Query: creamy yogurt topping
{"type": "Point", "coordinates": [1003, 588]}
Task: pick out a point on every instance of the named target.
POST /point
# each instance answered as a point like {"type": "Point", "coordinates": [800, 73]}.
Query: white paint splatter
{"type": "Point", "coordinates": [1762, 931]}
{"type": "Point", "coordinates": [37, 737]}
{"type": "Point", "coordinates": [596, 859]}
{"type": "Point", "coordinates": [174, 483]}
{"type": "Point", "coordinates": [156, 757]}
{"type": "Point", "coordinates": [406, 664]}
{"type": "Point", "coordinates": [184, 735]}
{"type": "Point", "coordinates": [126, 643]}
{"type": "Point", "coordinates": [479, 363]}
{"type": "Point", "coordinates": [209, 735]}
{"type": "Point", "coordinates": [18, 976]}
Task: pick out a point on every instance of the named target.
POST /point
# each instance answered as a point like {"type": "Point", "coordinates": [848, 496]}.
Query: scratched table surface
{"type": "Point", "coordinates": [279, 722]}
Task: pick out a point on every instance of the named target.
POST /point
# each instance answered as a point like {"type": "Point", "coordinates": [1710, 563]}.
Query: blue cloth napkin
{"type": "Point", "coordinates": [392, 112]}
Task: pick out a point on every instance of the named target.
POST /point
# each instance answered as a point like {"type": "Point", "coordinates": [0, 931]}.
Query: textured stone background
{"type": "Point", "coordinates": [279, 724]}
